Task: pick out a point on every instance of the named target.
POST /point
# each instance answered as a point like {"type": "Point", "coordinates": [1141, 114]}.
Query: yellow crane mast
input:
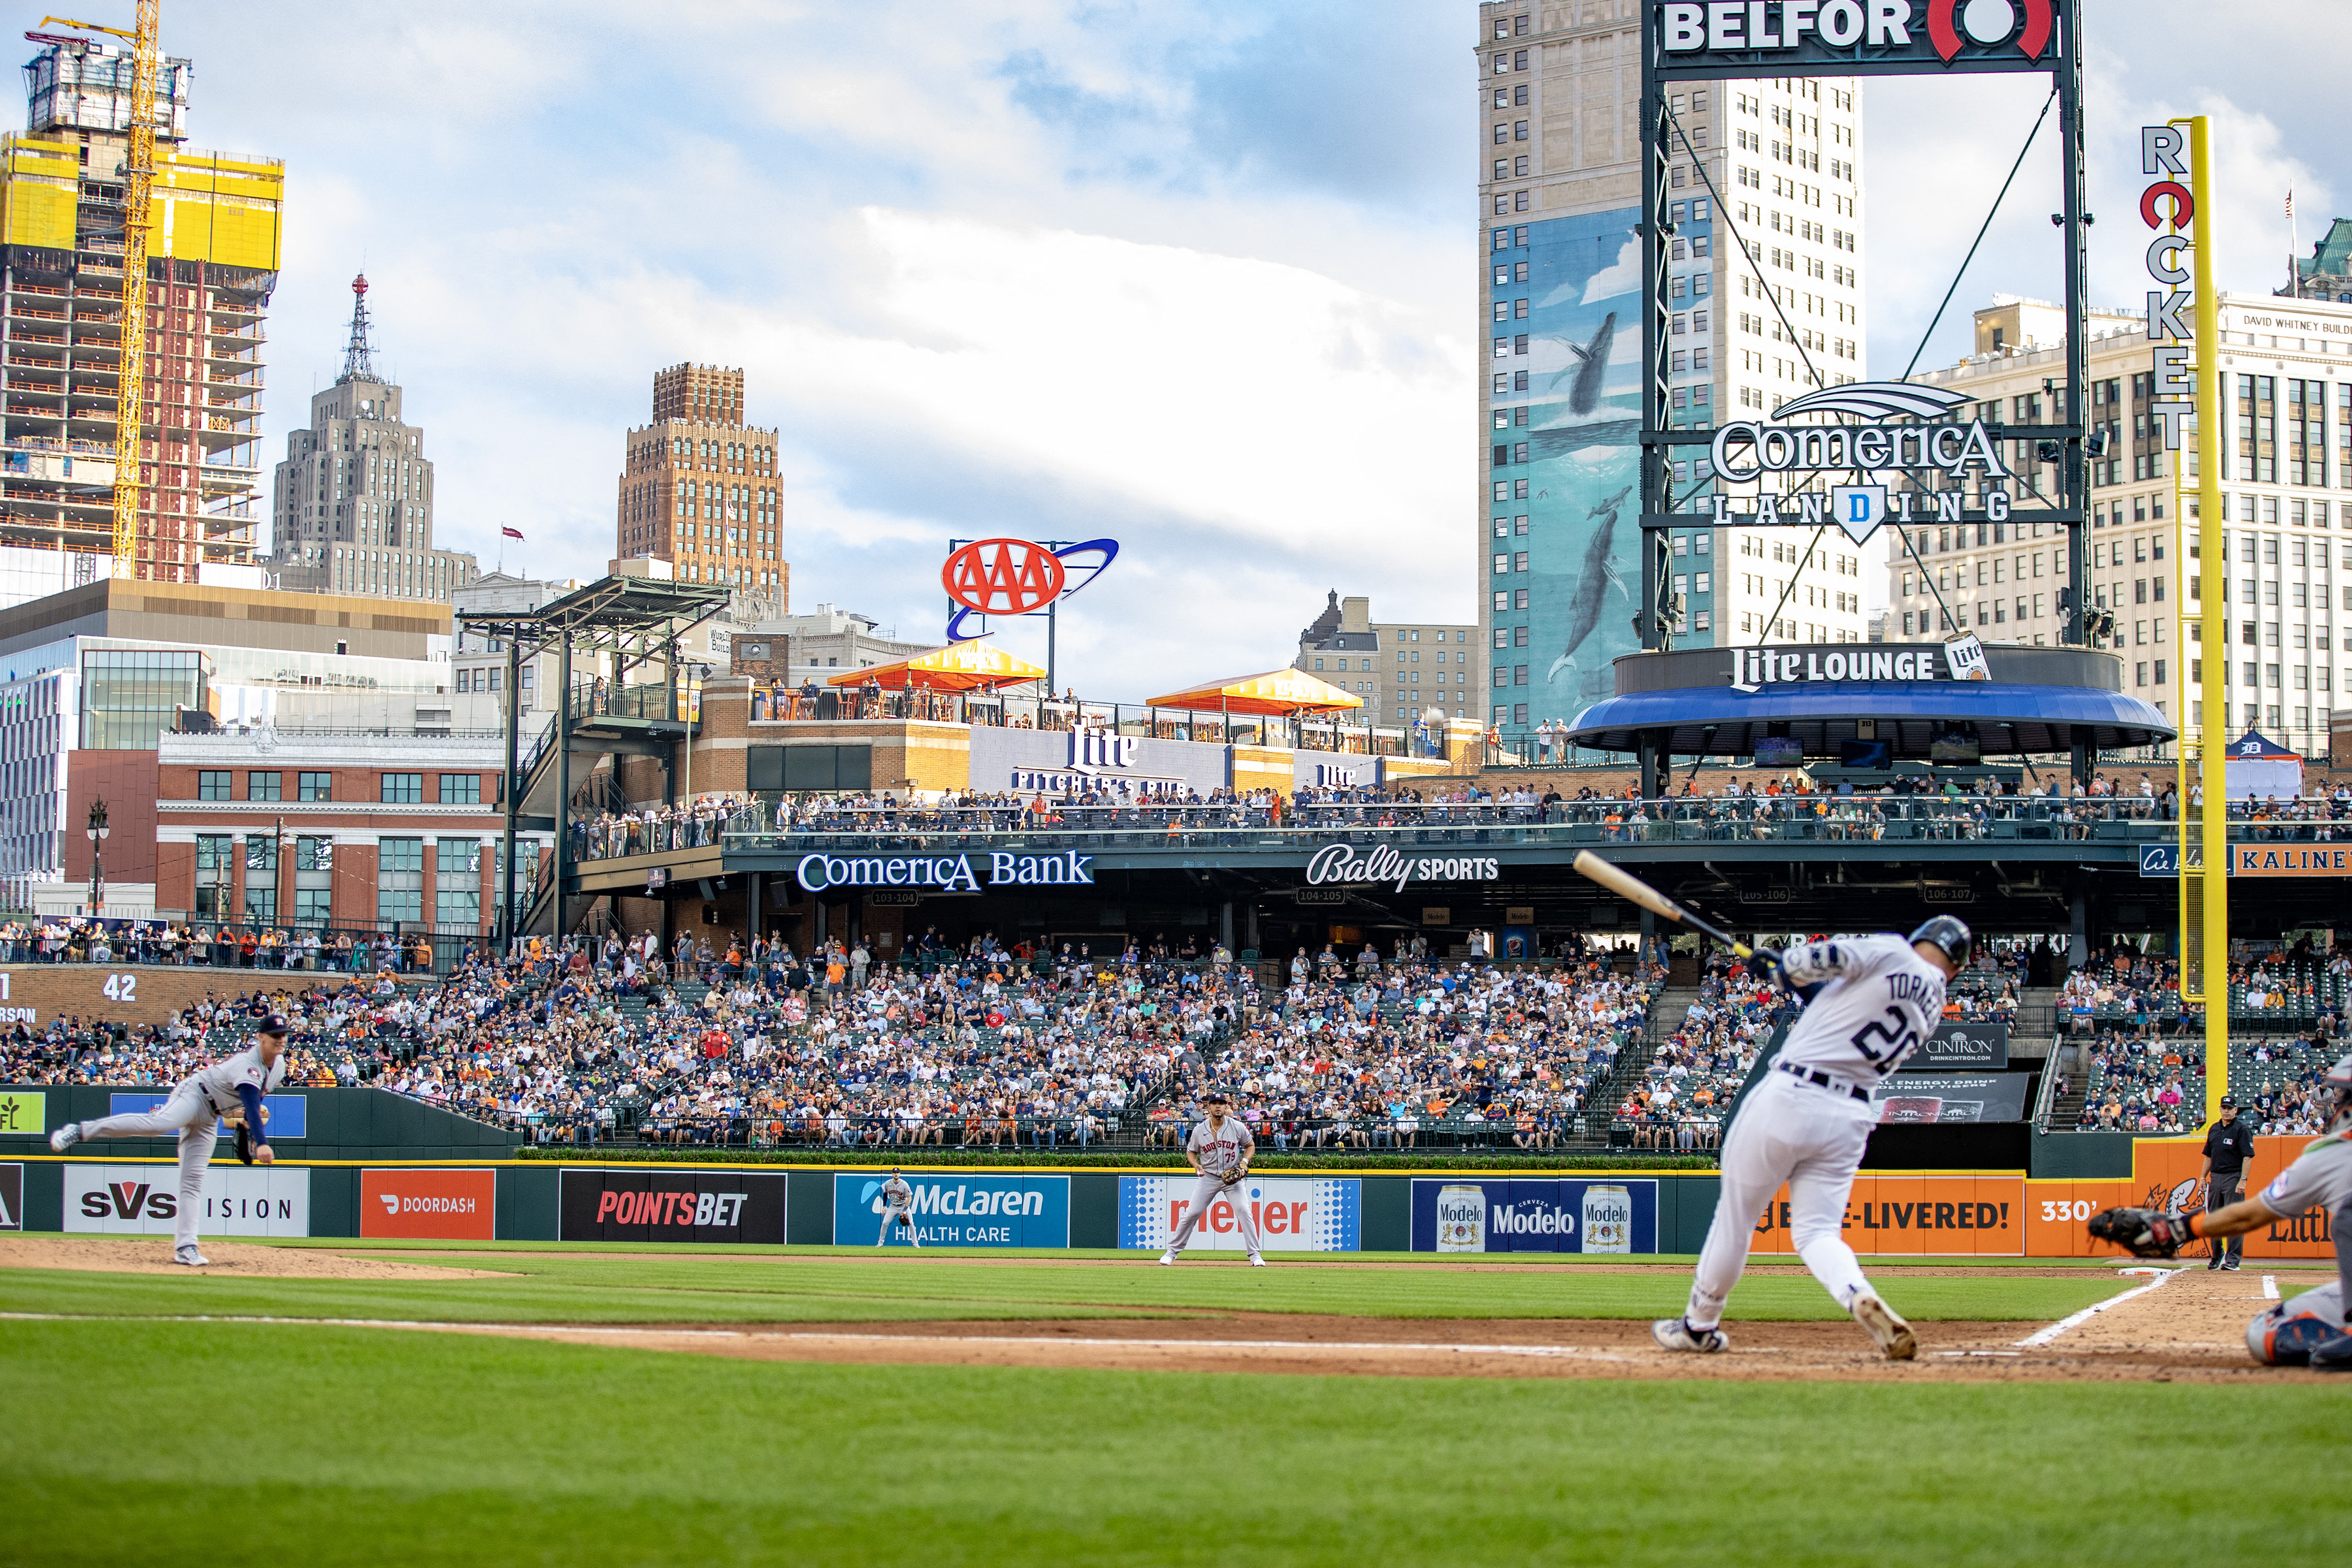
{"type": "Point", "coordinates": [138, 194]}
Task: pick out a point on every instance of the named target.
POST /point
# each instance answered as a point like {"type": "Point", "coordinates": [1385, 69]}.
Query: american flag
{"type": "Point", "coordinates": [2290, 201]}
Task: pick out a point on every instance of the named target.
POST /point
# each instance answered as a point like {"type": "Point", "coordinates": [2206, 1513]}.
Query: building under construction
{"type": "Point", "coordinates": [213, 247]}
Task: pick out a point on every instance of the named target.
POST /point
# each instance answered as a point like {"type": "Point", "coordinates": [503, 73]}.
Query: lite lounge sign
{"type": "Point", "coordinates": [1094, 754]}
{"type": "Point", "coordinates": [1379, 864]}
{"type": "Point", "coordinates": [1783, 666]}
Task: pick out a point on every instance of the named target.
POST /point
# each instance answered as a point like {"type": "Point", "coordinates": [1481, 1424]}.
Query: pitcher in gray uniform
{"type": "Point", "coordinates": [2311, 1327]}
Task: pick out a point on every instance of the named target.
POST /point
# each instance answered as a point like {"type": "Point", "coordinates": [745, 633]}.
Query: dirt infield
{"type": "Point", "coordinates": [2190, 1328]}
{"type": "Point", "coordinates": [152, 1255]}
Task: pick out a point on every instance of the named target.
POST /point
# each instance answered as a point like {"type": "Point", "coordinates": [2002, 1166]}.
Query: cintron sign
{"type": "Point", "coordinates": [1851, 38]}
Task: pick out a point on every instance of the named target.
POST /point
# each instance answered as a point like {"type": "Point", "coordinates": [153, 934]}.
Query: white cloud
{"type": "Point", "coordinates": [1623, 276]}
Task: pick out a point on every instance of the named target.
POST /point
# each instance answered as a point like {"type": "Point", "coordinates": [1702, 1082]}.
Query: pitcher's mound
{"type": "Point", "coordinates": [152, 1255]}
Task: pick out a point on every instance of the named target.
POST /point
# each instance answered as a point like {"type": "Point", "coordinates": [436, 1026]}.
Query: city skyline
{"type": "Point", "coordinates": [906, 287]}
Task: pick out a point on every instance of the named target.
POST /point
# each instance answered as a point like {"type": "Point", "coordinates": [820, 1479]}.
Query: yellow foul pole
{"type": "Point", "coordinates": [2213, 890]}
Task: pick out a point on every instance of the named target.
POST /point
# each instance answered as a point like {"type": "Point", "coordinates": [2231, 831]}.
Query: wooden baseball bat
{"type": "Point", "coordinates": [1623, 882]}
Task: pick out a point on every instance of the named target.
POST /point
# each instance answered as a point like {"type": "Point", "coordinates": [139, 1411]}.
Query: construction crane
{"type": "Point", "coordinates": [138, 194]}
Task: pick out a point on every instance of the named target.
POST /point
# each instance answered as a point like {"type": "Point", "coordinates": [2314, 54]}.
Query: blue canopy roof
{"type": "Point", "coordinates": [1725, 721]}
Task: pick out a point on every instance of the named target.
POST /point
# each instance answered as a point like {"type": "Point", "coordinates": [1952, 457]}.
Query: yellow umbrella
{"type": "Point", "coordinates": [968, 666]}
{"type": "Point", "coordinates": [1284, 692]}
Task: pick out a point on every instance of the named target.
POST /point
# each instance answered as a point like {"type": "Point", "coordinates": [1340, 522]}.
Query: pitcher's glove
{"type": "Point", "coordinates": [1233, 1176]}
{"type": "Point", "coordinates": [244, 1145]}
{"type": "Point", "coordinates": [2145, 1232]}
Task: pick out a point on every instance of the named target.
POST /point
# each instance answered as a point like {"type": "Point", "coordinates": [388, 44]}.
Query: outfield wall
{"type": "Point", "coordinates": [1920, 1214]}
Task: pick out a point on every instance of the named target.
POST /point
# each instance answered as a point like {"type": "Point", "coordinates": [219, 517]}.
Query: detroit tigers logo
{"type": "Point", "coordinates": [1953, 23]}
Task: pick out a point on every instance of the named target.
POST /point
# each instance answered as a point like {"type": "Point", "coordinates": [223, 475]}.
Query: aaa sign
{"type": "Point", "coordinates": [1003, 576]}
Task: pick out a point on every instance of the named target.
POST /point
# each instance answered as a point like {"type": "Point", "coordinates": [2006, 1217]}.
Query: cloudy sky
{"type": "Point", "coordinates": [1200, 275]}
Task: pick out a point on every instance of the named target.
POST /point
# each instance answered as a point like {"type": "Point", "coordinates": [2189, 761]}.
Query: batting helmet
{"type": "Point", "coordinates": [1948, 933]}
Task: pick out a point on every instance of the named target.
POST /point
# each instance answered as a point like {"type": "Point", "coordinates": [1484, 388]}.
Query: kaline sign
{"type": "Point", "coordinates": [1379, 864]}
{"type": "Point", "coordinates": [948, 873]}
{"type": "Point", "coordinates": [1855, 38]}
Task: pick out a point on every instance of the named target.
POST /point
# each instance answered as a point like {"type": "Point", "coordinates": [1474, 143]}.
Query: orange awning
{"type": "Point", "coordinates": [1282, 691]}
{"type": "Point", "coordinates": [969, 666]}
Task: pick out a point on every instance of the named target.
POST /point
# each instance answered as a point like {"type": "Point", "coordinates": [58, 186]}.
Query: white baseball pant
{"type": "Point", "coordinates": [891, 1217]}
{"type": "Point", "coordinates": [190, 1114]}
{"type": "Point", "coordinates": [1207, 1191]}
{"type": "Point", "coordinates": [1812, 1138]}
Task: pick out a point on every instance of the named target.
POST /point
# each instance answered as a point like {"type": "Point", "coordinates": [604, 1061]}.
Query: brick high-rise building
{"type": "Point", "coordinates": [212, 262]}
{"type": "Point", "coordinates": [698, 488]}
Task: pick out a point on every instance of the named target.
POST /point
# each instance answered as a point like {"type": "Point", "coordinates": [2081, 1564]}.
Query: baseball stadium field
{"type": "Point", "coordinates": [338, 1401]}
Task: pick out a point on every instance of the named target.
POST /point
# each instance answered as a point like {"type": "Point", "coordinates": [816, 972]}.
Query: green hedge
{"type": "Point", "coordinates": [1267, 1160]}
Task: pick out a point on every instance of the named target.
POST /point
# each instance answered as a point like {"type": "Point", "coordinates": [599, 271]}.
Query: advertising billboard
{"type": "Point", "coordinates": [1984, 1215]}
{"type": "Point", "coordinates": [144, 1200]}
{"type": "Point", "coordinates": [24, 1110]}
{"type": "Point", "coordinates": [1921, 1097]}
{"type": "Point", "coordinates": [1565, 483]}
{"type": "Point", "coordinates": [436, 1204]}
{"type": "Point", "coordinates": [957, 1210]}
{"type": "Point", "coordinates": [1294, 1214]}
{"type": "Point", "coordinates": [288, 1113]}
{"type": "Point", "coordinates": [1471, 1214]}
{"type": "Point", "coordinates": [644, 1204]}
{"type": "Point", "coordinates": [12, 1197]}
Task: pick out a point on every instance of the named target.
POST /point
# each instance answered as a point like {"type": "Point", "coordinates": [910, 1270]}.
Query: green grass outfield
{"type": "Point", "coordinates": [555, 1282]}
{"type": "Point", "coordinates": [168, 1443]}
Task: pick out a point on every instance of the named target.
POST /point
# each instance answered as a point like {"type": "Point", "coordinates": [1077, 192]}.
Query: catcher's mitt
{"type": "Point", "coordinates": [2144, 1233]}
{"type": "Point", "coordinates": [1233, 1176]}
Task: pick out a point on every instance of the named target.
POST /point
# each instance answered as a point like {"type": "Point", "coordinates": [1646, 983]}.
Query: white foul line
{"type": "Point", "coordinates": [2043, 1336]}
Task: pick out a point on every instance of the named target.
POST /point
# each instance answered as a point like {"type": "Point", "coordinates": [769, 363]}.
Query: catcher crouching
{"type": "Point", "coordinates": [2310, 1328]}
{"type": "Point", "coordinates": [1218, 1148]}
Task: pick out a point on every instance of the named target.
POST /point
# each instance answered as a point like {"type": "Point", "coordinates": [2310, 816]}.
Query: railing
{"type": "Point", "coordinates": [825, 704]}
{"type": "Point", "coordinates": [652, 833]}
{"type": "Point", "coordinates": [406, 947]}
{"type": "Point", "coordinates": [1726, 819]}
{"type": "Point", "coordinates": [649, 699]}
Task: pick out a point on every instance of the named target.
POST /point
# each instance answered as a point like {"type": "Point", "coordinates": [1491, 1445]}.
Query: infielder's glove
{"type": "Point", "coordinates": [1233, 1176]}
{"type": "Point", "coordinates": [2144, 1233]}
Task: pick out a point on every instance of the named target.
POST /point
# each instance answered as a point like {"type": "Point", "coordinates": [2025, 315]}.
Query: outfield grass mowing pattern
{"type": "Point", "coordinates": [147, 1442]}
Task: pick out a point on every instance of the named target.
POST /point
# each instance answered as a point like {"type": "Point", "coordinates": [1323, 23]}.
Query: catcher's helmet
{"type": "Point", "coordinates": [1948, 933]}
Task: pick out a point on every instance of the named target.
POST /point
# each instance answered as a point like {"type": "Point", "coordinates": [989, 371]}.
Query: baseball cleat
{"type": "Point", "coordinates": [1677, 1334]}
{"type": "Point", "coordinates": [1255, 1261]}
{"type": "Point", "coordinates": [190, 1257]}
{"type": "Point", "coordinates": [1168, 1258]}
{"type": "Point", "coordinates": [1885, 1326]}
{"type": "Point", "coordinates": [65, 1137]}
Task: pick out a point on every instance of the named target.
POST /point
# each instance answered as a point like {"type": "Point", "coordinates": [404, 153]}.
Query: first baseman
{"type": "Point", "coordinates": [1220, 1149]}
{"type": "Point", "coordinates": [898, 1209]}
{"type": "Point", "coordinates": [230, 1089]}
{"type": "Point", "coordinates": [2310, 1327]}
{"type": "Point", "coordinates": [1869, 1003]}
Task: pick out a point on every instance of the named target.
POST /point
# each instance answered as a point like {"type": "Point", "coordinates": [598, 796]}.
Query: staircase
{"type": "Point", "coordinates": [2067, 1061]}
{"type": "Point", "coordinates": [1667, 1011]}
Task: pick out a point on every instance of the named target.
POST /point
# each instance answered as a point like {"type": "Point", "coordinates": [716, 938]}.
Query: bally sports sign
{"type": "Point", "coordinates": [1344, 863]}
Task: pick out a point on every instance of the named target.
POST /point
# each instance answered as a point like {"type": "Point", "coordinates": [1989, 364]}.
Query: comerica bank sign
{"type": "Point", "coordinates": [948, 873]}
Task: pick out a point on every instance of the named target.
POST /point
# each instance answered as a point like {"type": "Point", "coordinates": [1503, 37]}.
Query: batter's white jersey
{"type": "Point", "coordinates": [897, 1195]}
{"type": "Point", "coordinates": [1222, 1148]}
{"type": "Point", "coordinates": [218, 1083]}
{"type": "Point", "coordinates": [1879, 999]}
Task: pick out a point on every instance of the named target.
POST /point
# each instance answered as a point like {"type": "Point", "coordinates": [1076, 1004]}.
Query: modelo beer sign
{"type": "Point", "coordinates": [1534, 1215]}
{"type": "Point", "coordinates": [1379, 864]}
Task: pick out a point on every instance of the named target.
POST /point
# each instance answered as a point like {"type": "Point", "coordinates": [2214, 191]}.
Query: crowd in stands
{"type": "Point", "coordinates": [235, 944]}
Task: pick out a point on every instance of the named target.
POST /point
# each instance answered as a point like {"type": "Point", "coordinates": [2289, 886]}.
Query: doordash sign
{"type": "Point", "coordinates": [435, 1205]}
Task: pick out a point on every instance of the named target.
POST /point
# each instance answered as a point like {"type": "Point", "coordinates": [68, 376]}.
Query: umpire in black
{"type": "Point", "coordinates": [2229, 1145]}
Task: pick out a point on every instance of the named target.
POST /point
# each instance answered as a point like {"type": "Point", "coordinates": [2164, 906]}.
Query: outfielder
{"type": "Point", "coordinates": [898, 1209]}
{"type": "Point", "coordinates": [1219, 1149]}
{"type": "Point", "coordinates": [1869, 1001]}
{"type": "Point", "coordinates": [230, 1089]}
{"type": "Point", "coordinates": [2310, 1327]}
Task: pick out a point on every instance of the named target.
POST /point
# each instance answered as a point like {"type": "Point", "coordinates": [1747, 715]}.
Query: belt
{"type": "Point", "coordinates": [1823, 1079]}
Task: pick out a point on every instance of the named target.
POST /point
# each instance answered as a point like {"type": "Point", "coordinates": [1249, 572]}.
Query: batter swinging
{"type": "Point", "coordinates": [1869, 1003]}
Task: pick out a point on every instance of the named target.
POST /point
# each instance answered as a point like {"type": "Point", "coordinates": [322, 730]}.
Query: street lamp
{"type": "Point", "coordinates": [97, 830]}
